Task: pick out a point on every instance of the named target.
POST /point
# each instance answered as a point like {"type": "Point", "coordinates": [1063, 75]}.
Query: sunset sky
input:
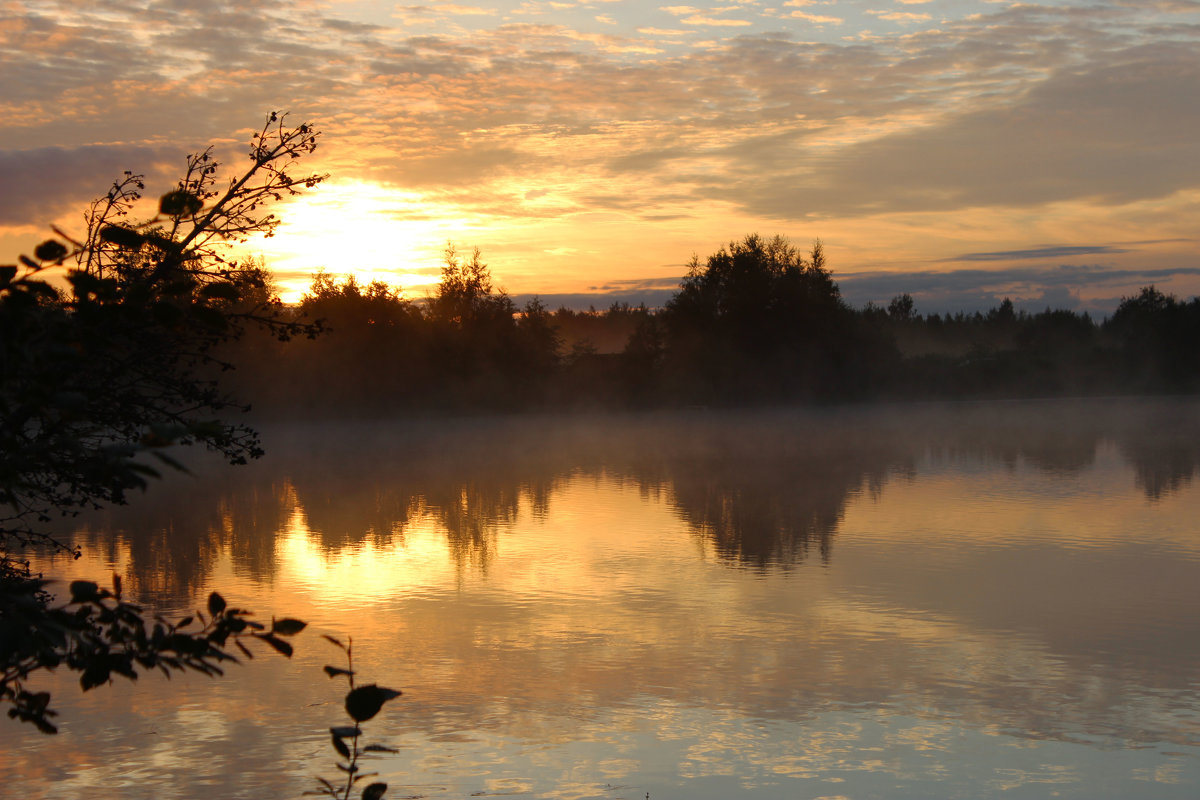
{"type": "Point", "coordinates": [960, 150]}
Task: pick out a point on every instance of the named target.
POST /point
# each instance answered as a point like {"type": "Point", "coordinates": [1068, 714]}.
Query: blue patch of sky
{"type": "Point", "coordinates": [678, 23]}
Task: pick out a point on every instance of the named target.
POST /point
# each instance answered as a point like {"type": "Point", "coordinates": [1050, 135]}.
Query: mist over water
{"type": "Point", "coordinates": [959, 600]}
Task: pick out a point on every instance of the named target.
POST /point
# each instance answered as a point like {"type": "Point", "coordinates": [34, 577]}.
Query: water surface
{"type": "Point", "coordinates": [923, 601]}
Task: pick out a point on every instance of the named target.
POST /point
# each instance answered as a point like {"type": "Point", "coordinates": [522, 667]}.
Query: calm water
{"type": "Point", "coordinates": [923, 602]}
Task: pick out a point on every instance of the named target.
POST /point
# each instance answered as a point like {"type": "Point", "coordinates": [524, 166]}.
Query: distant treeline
{"type": "Point", "coordinates": [756, 322]}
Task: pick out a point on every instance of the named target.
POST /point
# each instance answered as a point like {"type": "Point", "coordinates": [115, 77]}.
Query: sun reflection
{"type": "Point", "coordinates": [367, 572]}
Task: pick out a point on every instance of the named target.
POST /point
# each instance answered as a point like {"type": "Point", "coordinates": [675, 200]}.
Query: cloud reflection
{"type": "Point", "coordinates": [568, 610]}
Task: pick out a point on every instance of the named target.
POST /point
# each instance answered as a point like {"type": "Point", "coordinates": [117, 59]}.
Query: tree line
{"type": "Point", "coordinates": [757, 322]}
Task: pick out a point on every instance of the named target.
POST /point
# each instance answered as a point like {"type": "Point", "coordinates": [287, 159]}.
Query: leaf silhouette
{"type": "Point", "coordinates": [287, 626]}
{"type": "Point", "coordinates": [216, 604]}
{"type": "Point", "coordinates": [365, 701]}
{"type": "Point", "coordinates": [276, 642]}
{"type": "Point", "coordinates": [374, 791]}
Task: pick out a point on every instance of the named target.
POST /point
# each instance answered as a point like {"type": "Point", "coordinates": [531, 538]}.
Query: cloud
{"type": "Point", "coordinates": [436, 10]}
{"type": "Point", "coordinates": [900, 16]}
{"type": "Point", "coordinates": [1060, 251]}
{"type": "Point", "coordinates": [46, 183]}
{"type": "Point", "coordinates": [1109, 133]}
{"type": "Point", "coordinates": [458, 10]}
{"type": "Point", "coordinates": [818, 19]}
{"type": "Point", "coordinates": [717, 22]}
{"type": "Point", "coordinates": [691, 15]}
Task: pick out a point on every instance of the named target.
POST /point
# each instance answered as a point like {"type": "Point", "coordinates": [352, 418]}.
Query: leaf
{"type": "Point", "coordinates": [364, 702]}
{"type": "Point", "coordinates": [374, 791]}
{"type": "Point", "coordinates": [179, 203]}
{"type": "Point", "coordinates": [221, 291]}
{"type": "Point", "coordinates": [333, 672]}
{"type": "Point", "coordinates": [346, 731]}
{"type": "Point", "coordinates": [276, 642]}
{"type": "Point", "coordinates": [84, 591]}
{"type": "Point", "coordinates": [340, 746]}
{"type": "Point", "coordinates": [7, 273]}
{"type": "Point", "coordinates": [50, 250]}
{"type": "Point", "coordinates": [287, 626]}
{"type": "Point", "coordinates": [216, 604]}
{"type": "Point", "coordinates": [95, 674]}
{"type": "Point", "coordinates": [378, 748]}
{"type": "Point", "coordinates": [44, 725]}
{"type": "Point", "coordinates": [122, 236]}
{"type": "Point", "coordinates": [335, 641]}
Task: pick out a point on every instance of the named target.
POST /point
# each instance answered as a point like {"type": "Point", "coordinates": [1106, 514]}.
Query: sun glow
{"type": "Point", "coordinates": [365, 229]}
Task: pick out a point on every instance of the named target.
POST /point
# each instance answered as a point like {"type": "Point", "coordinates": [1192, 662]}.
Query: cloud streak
{"type": "Point", "coordinates": [1061, 251]}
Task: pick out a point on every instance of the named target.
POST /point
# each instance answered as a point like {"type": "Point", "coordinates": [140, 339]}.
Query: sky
{"type": "Point", "coordinates": [959, 150]}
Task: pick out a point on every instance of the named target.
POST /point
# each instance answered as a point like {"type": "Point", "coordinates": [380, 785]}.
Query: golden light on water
{"type": "Point", "coordinates": [577, 630]}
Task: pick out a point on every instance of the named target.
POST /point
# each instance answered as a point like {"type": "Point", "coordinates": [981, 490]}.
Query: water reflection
{"type": "Point", "coordinates": [964, 600]}
{"type": "Point", "coordinates": [763, 490]}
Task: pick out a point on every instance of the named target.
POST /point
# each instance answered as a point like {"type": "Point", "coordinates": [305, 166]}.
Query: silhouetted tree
{"type": "Point", "coordinates": [538, 341]}
{"type": "Point", "coordinates": [374, 357]}
{"type": "Point", "coordinates": [112, 369]}
{"type": "Point", "coordinates": [465, 296]}
{"type": "Point", "coordinates": [901, 307]}
{"type": "Point", "coordinates": [759, 321]}
{"type": "Point", "coordinates": [1158, 337]}
{"type": "Point", "coordinates": [643, 360]}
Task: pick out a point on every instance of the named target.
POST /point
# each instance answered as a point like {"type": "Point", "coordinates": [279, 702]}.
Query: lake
{"type": "Point", "coordinates": [920, 601]}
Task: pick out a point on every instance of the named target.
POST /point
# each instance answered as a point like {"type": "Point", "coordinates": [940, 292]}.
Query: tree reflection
{"type": "Point", "coordinates": [1163, 448]}
{"type": "Point", "coordinates": [764, 490]}
{"type": "Point", "coordinates": [770, 491]}
{"type": "Point", "coordinates": [173, 539]}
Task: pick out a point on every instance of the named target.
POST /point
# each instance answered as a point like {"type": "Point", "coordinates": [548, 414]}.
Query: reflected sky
{"type": "Point", "coordinates": [983, 601]}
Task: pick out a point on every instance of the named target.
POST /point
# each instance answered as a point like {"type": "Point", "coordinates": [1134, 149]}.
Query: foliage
{"type": "Point", "coordinates": [756, 289]}
{"type": "Point", "coordinates": [465, 295]}
{"type": "Point", "coordinates": [1157, 336]}
{"type": "Point", "coordinates": [99, 635]}
{"type": "Point", "coordinates": [114, 367]}
{"type": "Point", "coordinates": [467, 347]}
{"type": "Point", "coordinates": [362, 704]}
{"type": "Point", "coordinates": [758, 319]}
{"type": "Point", "coordinates": [123, 361]}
